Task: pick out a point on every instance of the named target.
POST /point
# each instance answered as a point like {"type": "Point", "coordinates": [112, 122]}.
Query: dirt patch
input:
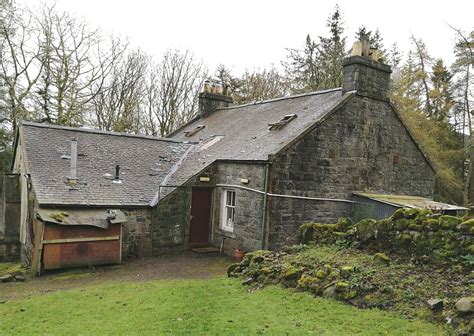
{"type": "Point", "coordinates": [185, 265]}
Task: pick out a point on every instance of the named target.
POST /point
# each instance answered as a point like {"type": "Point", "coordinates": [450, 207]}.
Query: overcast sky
{"type": "Point", "coordinates": [247, 34]}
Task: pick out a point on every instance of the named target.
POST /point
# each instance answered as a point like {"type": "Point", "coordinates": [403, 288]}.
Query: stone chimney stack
{"type": "Point", "coordinates": [365, 73]}
{"type": "Point", "coordinates": [211, 98]}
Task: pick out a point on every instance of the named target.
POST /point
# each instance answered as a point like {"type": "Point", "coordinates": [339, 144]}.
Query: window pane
{"type": "Point", "coordinates": [229, 197]}
{"type": "Point", "coordinates": [228, 211]}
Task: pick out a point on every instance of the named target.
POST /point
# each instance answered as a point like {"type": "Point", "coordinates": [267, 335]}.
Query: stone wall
{"type": "Point", "coordinates": [136, 235]}
{"type": "Point", "coordinates": [11, 215]}
{"type": "Point", "coordinates": [249, 206]}
{"type": "Point", "coordinates": [367, 77]}
{"type": "Point", "coordinates": [287, 214]}
{"type": "Point", "coordinates": [363, 146]}
{"type": "Point", "coordinates": [412, 232]}
{"type": "Point", "coordinates": [172, 215]}
{"type": "Point", "coordinates": [170, 220]}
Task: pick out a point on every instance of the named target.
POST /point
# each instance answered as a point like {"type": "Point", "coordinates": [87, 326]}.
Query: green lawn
{"type": "Point", "coordinates": [217, 307]}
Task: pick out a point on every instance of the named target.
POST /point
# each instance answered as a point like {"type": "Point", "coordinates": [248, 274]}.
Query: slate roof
{"type": "Point", "coordinates": [242, 132]}
{"type": "Point", "coordinates": [144, 164]}
{"type": "Point", "coordinates": [239, 133]}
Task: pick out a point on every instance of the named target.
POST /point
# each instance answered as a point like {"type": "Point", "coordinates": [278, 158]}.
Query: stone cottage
{"type": "Point", "coordinates": [234, 176]}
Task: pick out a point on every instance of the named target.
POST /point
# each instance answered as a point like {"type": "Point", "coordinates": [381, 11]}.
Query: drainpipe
{"type": "Point", "coordinates": [154, 208]}
{"type": "Point", "coordinates": [264, 211]}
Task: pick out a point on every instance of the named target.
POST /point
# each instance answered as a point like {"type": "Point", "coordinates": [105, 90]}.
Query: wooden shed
{"type": "Point", "coordinates": [73, 238]}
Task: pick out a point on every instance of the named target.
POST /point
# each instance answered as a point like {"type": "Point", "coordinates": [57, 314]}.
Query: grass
{"type": "Point", "coordinates": [217, 306]}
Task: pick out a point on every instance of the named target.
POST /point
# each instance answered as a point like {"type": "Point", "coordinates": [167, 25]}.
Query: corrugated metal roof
{"type": "Point", "coordinates": [98, 218]}
{"type": "Point", "coordinates": [405, 201]}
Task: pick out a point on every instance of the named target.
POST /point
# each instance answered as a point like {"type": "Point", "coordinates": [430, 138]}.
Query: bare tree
{"type": "Point", "coordinates": [20, 63]}
{"type": "Point", "coordinates": [116, 107]}
{"type": "Point", "coordinates": [53, 65]}
{"type": "Point", "coordinates": [172, 91]}
{"type": "Point", "coordinates": [260, 85]}
{"type": "Point", "coordinates": [76, 61]}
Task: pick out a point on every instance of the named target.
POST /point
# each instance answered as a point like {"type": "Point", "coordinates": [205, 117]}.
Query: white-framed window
{"type": "Point", "coordinates": [228, 210]}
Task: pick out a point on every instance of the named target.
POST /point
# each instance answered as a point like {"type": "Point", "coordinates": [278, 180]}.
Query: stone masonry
{"type": "Point", "coordinates": [363, 146]}
{"type": "Point", "coordinates": [368, 77]}
{"type": "Point", "coordinates": [170, 220]}
{"type": "Point", "coordinates": [136, 236]}
{"type": "Point", "coordinates": [171, 216]}
{"type": "Point", "coordinates": [249, 206]}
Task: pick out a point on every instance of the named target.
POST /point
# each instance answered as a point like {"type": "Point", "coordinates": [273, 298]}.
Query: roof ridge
{"type": "Point", "coordinates": [313, 93]}
{"type": "Point", "coordinates": [96, 131]}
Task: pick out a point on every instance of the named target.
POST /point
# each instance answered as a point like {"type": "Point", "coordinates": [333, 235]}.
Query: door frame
{"type": "Point", "coordinates": [211, 215]}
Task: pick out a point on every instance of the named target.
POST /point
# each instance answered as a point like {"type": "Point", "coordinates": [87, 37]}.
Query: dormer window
{"type": "Point", "coordinates": [279, 124]}
{"type": "Point", "coordinates": [194, 131]}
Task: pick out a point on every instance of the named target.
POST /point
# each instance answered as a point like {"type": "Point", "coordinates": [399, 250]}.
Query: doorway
{"type": "Point", "coordinates": [200, 223]}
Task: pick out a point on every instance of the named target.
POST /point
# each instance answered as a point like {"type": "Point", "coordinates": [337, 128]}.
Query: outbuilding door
{"type": "Point", "coordinates": [200, 223]}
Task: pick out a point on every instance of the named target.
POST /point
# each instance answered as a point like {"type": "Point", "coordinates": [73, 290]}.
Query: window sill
{"type": "Point", "coordinates": [225, 233]}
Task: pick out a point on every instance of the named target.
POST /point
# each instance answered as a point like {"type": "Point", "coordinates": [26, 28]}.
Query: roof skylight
{"type": "Point", "coordinates": [193, 131]}
{"type": "Point", "coordinates": [279, 124]}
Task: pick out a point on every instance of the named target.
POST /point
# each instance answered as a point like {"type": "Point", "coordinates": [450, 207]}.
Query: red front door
{"type": "Point", "coordinates": [199, 227]}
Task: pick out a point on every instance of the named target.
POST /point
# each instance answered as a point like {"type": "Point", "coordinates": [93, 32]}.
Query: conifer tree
{"type": "Point", "coordinates": [440, 95]}
{"type": "Point", "coordinates": [319, 64]}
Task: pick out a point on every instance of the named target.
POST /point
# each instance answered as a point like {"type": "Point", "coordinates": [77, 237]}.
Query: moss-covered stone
{"type": "Point", "coordinates": [339, 235]}
{"type": "Point", "coordinates": [321, 274]}
{"type": "Point", "coordinates": [365, 229]}
{"type": "Point", "coordinates": [470, 249]}
{"type": "Point", "coordinates": [317, 232]}
{"type": "Point", "coordinates": [415, 227]}
{"type": "Point", "coordinates": [401, 224]}
{"type": "Point", "coordinates": [381, 257]}
{"type": "Point", "coordinates": [231, 270]}
{"type": "Point", "coordinates": [310, 283]}
{"type": "Point", "coordinates": [383, 226]}
{"type": "Point", "coordinates": [349, 295]}
{"type": "Point", "coordinates": [466, 226]}
{"type": "Point", "coordinates": [399, 214]}
{"type": "Point", "coordinates": [341, 286]}
{"type": "Point", "coordinates": [266, 270]}
{"type": "Point", "coordinates": [431, 224]}
{"type": "Point", "coordinates": [306, 233]}
{"type": "Point", "coordinates": [346, 271]}
{"type": "Point", "coordinates": [343, 224]}
{"type": "Point", "coordinates": [423, 214]}
{"type": "Point", "coordinates": [405, 238]}
{"type": "Point", "coordinates": [447, 222]}
{"type": "Point", "coordinates": [411, 213]}
{"type": "Point", "coordinates": [291, 273]}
